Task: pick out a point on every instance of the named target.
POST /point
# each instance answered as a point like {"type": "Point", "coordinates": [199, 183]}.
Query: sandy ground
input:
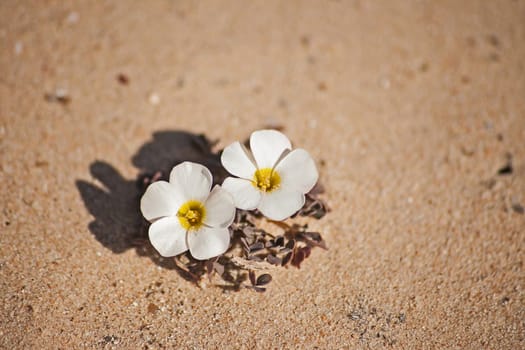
{"type": "Point", "coordinates": [414, 111]}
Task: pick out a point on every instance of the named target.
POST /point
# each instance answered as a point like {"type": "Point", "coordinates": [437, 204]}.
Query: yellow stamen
{"type": "Point", "coordinates": [191, 215]}
{"type": "Point", "coordinates": [266, 180]}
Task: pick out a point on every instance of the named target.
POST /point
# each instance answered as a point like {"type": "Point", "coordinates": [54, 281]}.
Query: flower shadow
{"type": "Point", "coordinates": [118, 225]}
{"type": "Point", "coordinates": [113, 201]}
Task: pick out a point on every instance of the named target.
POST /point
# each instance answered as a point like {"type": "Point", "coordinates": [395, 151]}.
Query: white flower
{"type": "Point", "coordinates": [273, 178]}
{"type": "Point", "coordinates": [185, 215]}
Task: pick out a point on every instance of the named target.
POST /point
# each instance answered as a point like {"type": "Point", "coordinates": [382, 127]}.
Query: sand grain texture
{"type": "Point", "coordinates": [409, 107]}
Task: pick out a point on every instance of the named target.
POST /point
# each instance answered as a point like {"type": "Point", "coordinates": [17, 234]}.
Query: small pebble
{"type": "Point", "coordinates": [154, 99]}
{"type": "Point", "coordinates": [424, 67]}
{"type": "Point", "coordinates": [152, 308]}
{"type": "Point", "coordinates": [61, 93]}
{"type": "Point", "coordinates": [123, 79]}
{"type": "Point", "coordinates": [19, 47]}
{"type": "Point", "coordinates": [72, 17]}
{"type": "Point", "coordinates": [518, 208]}
{"type": "Point", "coordinates": [385, 83]}
{"type": "Point", "coordinates": [305, 40]}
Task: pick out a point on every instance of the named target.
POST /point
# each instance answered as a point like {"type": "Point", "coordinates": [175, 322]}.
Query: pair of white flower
{"type": "Point", "coordinates": [186, 215]}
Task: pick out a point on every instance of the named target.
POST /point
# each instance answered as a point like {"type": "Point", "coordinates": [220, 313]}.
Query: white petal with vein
{"type": "Point", "coordinates": [236, 159]}
{"type": "Point", "coordinates": [267, 146]}
{"type": "Point", "coordinates": [220, 210]}
{"type": "Point", "coordinates": [245, 195]}
{"type": "Point", "coordinates": [298, 171]}
{"type": "Point", "coordinates": [160, 199]}
{"type": "Point", "coordinates": [168, 236]}
{"type": "Point", "coordinates": [193, 180]}
{"type": "Point", "coordinates": [208, 242]}
{"type": "Point", "coordinates": [280, 204]}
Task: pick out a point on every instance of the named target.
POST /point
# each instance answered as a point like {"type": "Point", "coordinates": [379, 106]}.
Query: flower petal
{"type": "Point", "coordinates": [208, 242]}
{"type": "Point", "coordinates": [280, 204]}
{"type": "Point", "coordinates": [245, 196]}
{"type": "Point", "coordinates": [160, 199]}
{"type": "Point", "coordinates": [267, 146]}
{"type": "Point", "coordinates": [168, 236]}
{"type": "Point", "coordinates": [298, 171]}
{"type": "Point", "coordinates": [236, 159]}
{"type": "Point", "coordinates": [220, 210]}
{"type": "Point", "coordinates": [192, 180]}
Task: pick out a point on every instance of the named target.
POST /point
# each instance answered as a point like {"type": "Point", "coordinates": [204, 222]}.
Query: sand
{"type": "Point", "coordinates": [413, 110]}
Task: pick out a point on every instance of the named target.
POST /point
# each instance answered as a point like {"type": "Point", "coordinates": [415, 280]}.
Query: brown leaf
{"type": "Point", "coordinates": [291, 244]}
{"type": "Point", "coordinates": [245, 244]}
{"type": "Point", "coordinates": [219, 268]}
{"type": "Point", "coordinates": [263, 279]}
{"type": "Point", "coordinates": [307, 251]}
{"type": "Point", "coordinates": [272, 259]}
{"type": "Point", "coordinates": [316, 236]}
{"type": "Point", "coordinates": [251, 274]}
{"type": "Point", "coordinates": [248, 231]}
{"type": "Point", "coordinates": [299, 256]}
{"type": "Point", "coordinates": [254, 258]}
{"type": "Point", "coordinates": [314, 239]}
{"type": "Point", "coordinates": [287, 258]}
{"type": "Point", "coordinates": [256, 246]}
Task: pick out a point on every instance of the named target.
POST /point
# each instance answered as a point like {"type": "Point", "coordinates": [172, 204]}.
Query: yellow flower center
{"type": "Point", "coordinates": [191, 215]}
{"type": "Point", "coordinates": [266, 179]}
